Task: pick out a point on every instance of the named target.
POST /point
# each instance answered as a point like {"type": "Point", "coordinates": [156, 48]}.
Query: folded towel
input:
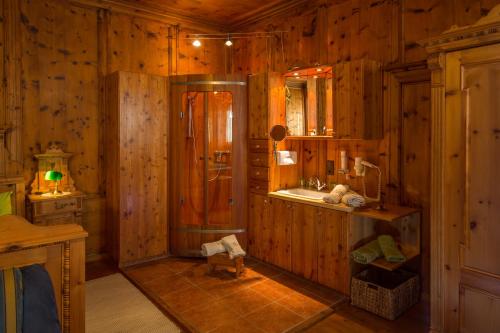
{"type": "Point", "coordinates": [390, 249]}
{"type": "Point", "coordinates": [336, 194]}
{"type": "Point", "coordinates": [209, 249]}
{"type": "Point", "coordinates": [233, 247]}
{"type": "Point", "coordinates": [367, 253]}
{"type": "Point", "coordinates": [353, 199]}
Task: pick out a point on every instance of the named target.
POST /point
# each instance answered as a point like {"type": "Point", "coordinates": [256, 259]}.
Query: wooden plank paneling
{"type": "Point", "coordinates": [304, 241]}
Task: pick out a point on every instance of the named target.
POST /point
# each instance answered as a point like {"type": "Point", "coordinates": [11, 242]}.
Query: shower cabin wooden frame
{"type": "Point", "coordinates": [186, 239]}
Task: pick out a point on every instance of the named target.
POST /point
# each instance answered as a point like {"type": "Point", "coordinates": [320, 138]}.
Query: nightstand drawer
{"type": "Point", "coordinates": [259, 146]}
{"type": "Point", "coordinates": [259, 173]}
{"type": "Point", "coordinates": [57, 206]}
{"type": "Point", "coordinates": [56, 219]}
{"type": "Point", "coordinates": [259, 159]}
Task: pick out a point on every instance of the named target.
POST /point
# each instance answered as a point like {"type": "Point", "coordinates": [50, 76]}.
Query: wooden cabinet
{"type": "Point", "coordinates": [45, 210]}
{"type": "Point", "coordinates": [136, 166]}
{"type": "Point", "coordinates": [305, 241]}
{"type": "Point", "coordinates": [281, 233]}
{"type": "Point", "coordinates": [333, 250]}
{"type": "Point", "coordinates": [266, 103]}
{"type": "Point", "coordinates": [357, 100]}
{"type": "Point", "coordinates": [259, 227]}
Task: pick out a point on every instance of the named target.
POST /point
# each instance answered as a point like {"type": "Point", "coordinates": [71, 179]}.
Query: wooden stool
{"type": "Point", "coordinates": [222, 259]}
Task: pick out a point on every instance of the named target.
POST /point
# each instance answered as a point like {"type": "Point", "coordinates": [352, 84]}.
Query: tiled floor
{"type": "Point", "coordinates": [264, 299]}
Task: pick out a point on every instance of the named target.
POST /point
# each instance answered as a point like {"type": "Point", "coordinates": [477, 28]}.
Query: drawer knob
{"type": "Point", "coordinates": [257, 173]}
{"type": "Point", "coordinates": [257, 146]}
{"type": "Point", "coordinates": [257, 187]}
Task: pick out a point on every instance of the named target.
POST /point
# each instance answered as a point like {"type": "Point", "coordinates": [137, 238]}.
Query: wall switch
{"type": "Point", "coordinates": [330, 168]}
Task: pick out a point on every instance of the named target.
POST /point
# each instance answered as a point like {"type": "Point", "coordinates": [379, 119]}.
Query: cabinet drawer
{"type": "Point", "coordinates": [259, 159]}
{"type": "Point", "coordinates": [259, 146]}
{"type": "Point", "coordinates": [256, 186]}
{"type": "Point", "coordinates": [57, 206]}
{"type": "Point", "coordinates": [68, 218]}
{"type": "Point", "coordinates": [259, 173]}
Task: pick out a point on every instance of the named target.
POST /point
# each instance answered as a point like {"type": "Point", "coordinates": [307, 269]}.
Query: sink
{"type": "Point", "coordinates": [304, 193]}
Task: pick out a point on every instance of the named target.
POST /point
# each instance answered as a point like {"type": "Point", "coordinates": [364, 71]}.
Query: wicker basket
{"type": "Point", "coordinates": [387, 294]}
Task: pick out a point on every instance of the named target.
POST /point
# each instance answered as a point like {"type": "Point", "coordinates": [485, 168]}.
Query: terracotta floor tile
{"type": "Point", "coordinates": [249, 276]}
{"type": "Point", "coordinates": [245, 301]}
{"type": "Point", "coordinates": [168, 284]}
{"type": "Point", "coordinates": [273, 318]}
{"type": "Point", "coordinates": [200, 276]}
{"type": "Point", "coordinates": [220, 290]}
{"type": "Point", "coordinates": [271, 290]}
{"type": "Point", "coordinates": [148, 272]}
{"type": "Point", "coordinates": [210, 317]}
{"type": "Point", "coordinates": [238, 325]}
{"type": "Point", "coordinates": [178, 265]}
{"type": "Point", "coordinates": [186, 299]}
{"type": "Point", "coordinates": [304, 305]}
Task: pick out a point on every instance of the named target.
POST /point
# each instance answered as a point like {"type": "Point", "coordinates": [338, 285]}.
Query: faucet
{"type": "Point", "coordinates": [316, 182]}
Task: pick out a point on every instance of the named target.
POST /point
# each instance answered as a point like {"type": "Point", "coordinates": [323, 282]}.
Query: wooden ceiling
{"type": "Point", "coordinates": [220, 13]}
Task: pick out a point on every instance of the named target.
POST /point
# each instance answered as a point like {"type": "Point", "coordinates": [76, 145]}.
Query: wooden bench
{"type": "Point", "coordinates": [222, 259]}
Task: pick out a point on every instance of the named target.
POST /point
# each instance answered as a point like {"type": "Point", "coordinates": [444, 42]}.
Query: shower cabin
{"type": "Point", "coordinates": [207, 173]}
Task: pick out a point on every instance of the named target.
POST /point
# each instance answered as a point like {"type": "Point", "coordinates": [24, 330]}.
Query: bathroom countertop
{"type": "Point", "coordinates": [390, 214]}
{"type": "Point", "coordinates": [314, 202]}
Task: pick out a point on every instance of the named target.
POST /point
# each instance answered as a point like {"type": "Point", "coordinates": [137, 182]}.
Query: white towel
{"type": "Point", "coordinates": [209, 249]}
{"type": "Point", "coordinates": [336, 194]}
{"type": "Point", "coordinates": [353, 199]}
{"type": "Point", "coordinates": [233, 247]}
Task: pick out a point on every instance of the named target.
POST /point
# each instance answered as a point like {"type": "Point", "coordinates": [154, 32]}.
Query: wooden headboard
{"type": "Point", "coordinates": [16, 186]}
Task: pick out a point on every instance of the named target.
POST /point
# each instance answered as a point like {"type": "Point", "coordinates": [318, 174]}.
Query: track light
{"type": "Point", "coordinates": [228, 42]}
{"type": "Point", "coordinates": [196, 43]}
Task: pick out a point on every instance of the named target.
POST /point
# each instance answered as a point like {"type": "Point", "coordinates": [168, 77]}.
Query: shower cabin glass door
{"type": "Point", "coordinates": [207, 189]}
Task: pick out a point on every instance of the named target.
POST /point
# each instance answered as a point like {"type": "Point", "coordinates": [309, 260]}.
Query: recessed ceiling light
{"type": "Point", "coordinates": [319, 70]}
{"type": "Point", "coordinates": [196, 43]}
{"type": "Point", "coordinates": [296, 74]}
{"type": "Point", "coordinates": [315, 76]}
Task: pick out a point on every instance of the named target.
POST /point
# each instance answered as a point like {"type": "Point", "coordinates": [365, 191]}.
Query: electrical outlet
{"type": "Point", "coordinates": [330, 167]}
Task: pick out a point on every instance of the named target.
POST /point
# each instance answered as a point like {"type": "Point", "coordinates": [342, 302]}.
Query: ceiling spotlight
{"type": "Point", "coordinates": [228, 42]}
{"type": "Point", "coordinates": [296, 74]}
{"type": "Point", "coordinates": [319, 70]}
{"type": "Point", "coordinates": [315, 76]}
{"type": "Point", "coordinates": [196, 43]}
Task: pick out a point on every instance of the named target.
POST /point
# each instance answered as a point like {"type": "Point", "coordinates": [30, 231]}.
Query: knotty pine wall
{"type": "Point", "coordinates": [328, 32]}
{"type": "Point", "coordinates": [56, 53]}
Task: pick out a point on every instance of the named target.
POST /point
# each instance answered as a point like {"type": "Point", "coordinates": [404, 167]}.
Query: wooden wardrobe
{"type": "Point", "coordinates": [135, 153]}
{"type": "Point", "coordinates": [465, 201]}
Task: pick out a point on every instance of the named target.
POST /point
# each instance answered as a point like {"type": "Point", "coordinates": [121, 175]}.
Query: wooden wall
{"type": "Point", "coordinates": [55, 55]}
{"type": "Point", "coordinates": [332, 31]}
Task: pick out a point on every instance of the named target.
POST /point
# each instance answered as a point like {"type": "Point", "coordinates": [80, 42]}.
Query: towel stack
{"type": "Point", "coordinates": [383, 245]}
{"type": "Point", "coordinates": [341, 193]}
{"type": "Point", "coordinates": [227, 244]}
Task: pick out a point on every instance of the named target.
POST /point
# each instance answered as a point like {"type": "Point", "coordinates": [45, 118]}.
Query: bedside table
{"type": "Point", "coordinates": [44, 210]}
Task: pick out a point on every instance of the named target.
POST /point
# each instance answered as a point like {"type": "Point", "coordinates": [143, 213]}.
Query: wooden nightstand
{"type": "Point", "coordinates": [42, 210]}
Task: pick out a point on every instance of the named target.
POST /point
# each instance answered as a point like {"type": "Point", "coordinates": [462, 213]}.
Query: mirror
{"type": "Point", "coordinates": [309, 101]}
{"type": "Point", "coordinates": [278, 133]}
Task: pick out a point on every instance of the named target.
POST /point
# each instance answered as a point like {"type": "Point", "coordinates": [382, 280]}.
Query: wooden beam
{"type": "Point", "coordinates": [168, 17]}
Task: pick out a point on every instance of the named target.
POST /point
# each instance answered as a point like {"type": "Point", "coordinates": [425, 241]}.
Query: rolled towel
{"type": "Point", "coordinates": [336, 194]}
{"type": "Point", "coordinates": [390, 249]}
{"type": "Point", "coordinates": [353, 199]}
{"type": "Point", "coordinates": [209, 249]}
{"type": "Point", "coordinates": [233, 247]}
{"type": "Point", "coordinates": [367, 253]}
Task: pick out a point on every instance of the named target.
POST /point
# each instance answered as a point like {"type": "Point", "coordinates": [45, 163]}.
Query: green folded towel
{"type": "Point", "coordinates": [390, 249]}
{"type": "Point", "coordinates": [367, 253]}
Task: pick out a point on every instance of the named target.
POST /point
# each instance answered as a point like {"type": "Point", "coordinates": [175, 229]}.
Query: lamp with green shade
{"type": "Point", "coordinates": [55, 176]}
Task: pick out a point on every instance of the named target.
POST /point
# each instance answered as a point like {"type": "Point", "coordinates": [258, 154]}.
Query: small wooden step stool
{"type": "Point", "coordinates": [222, 259]}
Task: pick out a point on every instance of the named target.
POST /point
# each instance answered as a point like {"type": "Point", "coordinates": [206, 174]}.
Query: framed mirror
{"type": "Point", "coordinates": [309, 101]}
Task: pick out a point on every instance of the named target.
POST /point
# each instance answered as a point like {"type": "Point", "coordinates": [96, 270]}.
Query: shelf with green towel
{"type": "Point", "coordinates": [408, 251]}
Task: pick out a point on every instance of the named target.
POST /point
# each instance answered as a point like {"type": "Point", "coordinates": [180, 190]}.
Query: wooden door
{"type": "Point", "coordinates": [333, 254]}
{"type": "Point", "coordinates": [471, 215]}
{"type": "Point", "coordinates": [281, 220]}
{"type": "Point", "coordinates": [304, 241]}
{"type": "Point", "coordinates": [259, 229]}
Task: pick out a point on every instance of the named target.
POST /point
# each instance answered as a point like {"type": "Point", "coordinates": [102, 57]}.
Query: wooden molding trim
{"type": "Point", "coordinates": [483, 32]}
{"type": "Point", "coordinates": [149, 13]}
{"type": "Point", "coordinates": [258, 15]}
{"type": "Point", "coordinates": [437, 65]}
